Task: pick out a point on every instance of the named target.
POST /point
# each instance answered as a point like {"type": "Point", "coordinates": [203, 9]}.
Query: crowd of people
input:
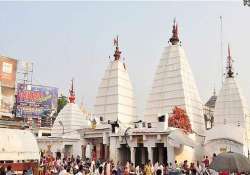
{"type": "Point", "coordinates": [78, 166]}
{"type": "Point", "coordinates": [7, 170]}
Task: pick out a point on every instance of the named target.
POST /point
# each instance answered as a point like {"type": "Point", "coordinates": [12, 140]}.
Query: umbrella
{"type": "Point", "coordinates": [231, 162]}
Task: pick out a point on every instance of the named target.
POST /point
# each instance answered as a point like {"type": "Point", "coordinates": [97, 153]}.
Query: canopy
{"type": "Point", "coordinates": [177, 136]}
{"type": "Point", "coordinates": [18, 144]}
{"type": "Point", "coordinates": [231, 162]}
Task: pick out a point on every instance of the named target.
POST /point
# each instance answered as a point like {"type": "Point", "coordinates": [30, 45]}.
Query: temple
{"type": "Point", "coordinates": [175, 126]}
{"type": "Point", "coordinates": [65, 135]}
{"type": "Point", "coordinates": [70, 118]}
{"type": "Point", "coordinates": [173, 118]}
{"type": "Point", "coordinates": [230, 116]}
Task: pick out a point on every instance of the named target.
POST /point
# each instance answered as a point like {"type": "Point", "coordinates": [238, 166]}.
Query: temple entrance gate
{"type": "Point", "coordinates": [160, 153]}
{"type": "Point", "coordinates": [141, 155]}
{"type": "Point", "coordinates": [125, 154]}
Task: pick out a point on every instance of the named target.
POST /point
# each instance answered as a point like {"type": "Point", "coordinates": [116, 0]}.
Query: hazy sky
{"type": "Point", "coordinates": [66, 39]}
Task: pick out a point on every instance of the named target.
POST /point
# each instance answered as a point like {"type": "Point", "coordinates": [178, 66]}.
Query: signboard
{"type": "Point", "coordinates": [33, 101]}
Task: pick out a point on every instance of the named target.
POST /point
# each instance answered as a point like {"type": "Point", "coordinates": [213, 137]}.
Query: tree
{"type": "Point", "coordinates": [61, 102]}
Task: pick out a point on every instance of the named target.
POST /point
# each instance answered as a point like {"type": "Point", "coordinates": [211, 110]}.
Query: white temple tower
{"type": "Point", "coordinates": [70, 119]}
{"type": "Point", "coordinates": [230, 107]}
{"type": "Point", "coordinates": [174, 85]}
{"type": "Point", "coordinates": [231, 118]}
{"type": "Point", "coordinates": [115, 99]}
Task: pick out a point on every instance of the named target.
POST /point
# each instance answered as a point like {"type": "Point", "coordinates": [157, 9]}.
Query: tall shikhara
{"type": "Point", "coordinates": [174, 85]}
{"type": "Point", "coordinates": [230, 107]}
{"type": "Point", "coordinates": [115, 98]}
{"type": "Point", "coordinates": [231, 129]}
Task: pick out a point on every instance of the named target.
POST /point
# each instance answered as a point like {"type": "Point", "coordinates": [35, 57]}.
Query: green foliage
{"type": "Point", "coordinates": [61, 102]}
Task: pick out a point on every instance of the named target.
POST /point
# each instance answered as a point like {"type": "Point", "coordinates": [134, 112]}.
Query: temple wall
{"type": "Point", "coordinates": [65, 147]}
{"type": "Point", "coordinates": [219, 146]}
{"type": "Point", "coordinates": [114, 152]}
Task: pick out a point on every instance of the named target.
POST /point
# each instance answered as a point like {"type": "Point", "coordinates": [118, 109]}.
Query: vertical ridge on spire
{"type": "Point", "coordinates": [117, 53]}
{"type": "Point", "coordinates": [175, 38]}
{"type": "Point", "coordinates": [214, 92]}
{"type": "Point", "coordinates": [72, 92]}
{"type": "Point", "coordinates": [229, 67]}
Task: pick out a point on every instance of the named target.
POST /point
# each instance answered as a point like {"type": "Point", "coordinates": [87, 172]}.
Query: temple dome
{"type": "Point", "coordinates": [70, 118]}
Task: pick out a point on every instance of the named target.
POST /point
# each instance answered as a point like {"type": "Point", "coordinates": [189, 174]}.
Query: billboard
{"type": "Point", "coordinates": [35, 100]}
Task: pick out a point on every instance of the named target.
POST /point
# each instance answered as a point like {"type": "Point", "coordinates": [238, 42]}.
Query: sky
{"type": "Point", "coordinates": [75, 39]}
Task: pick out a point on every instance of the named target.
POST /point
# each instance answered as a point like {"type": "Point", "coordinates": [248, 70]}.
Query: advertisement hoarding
{"type": "Point", "coordinates": [35, 100]}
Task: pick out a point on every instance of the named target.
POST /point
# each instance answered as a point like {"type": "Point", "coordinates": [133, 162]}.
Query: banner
{"type": "Point", "coordinates": [33, 100]}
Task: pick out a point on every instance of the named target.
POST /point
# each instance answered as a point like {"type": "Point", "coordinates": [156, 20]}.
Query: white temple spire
{"type": "Point", "coordinates": [70, 118]}
{"type": "Point", "coordinates": [231, 118]}
{"type": "Point", "coordinates": [174, 85]}
{"type": "Point", "coordinates": [115, 96]}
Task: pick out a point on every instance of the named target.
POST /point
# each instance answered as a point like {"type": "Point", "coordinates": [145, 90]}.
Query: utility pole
{"type": "Point", "coordinates": [221, 49]}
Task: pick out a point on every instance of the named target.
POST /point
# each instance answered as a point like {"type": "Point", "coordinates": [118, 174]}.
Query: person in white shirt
{"type": "Point", "coordinates": [80, 170]}
{"type": "Point", "coordinates": [161, 168]}
{"type": "Point", "coordinates": [88, 151]}
{"type": "Point", "coordinates": [175, 165]}
{"type": "Point", "coordinates": [62, 171]}
{"type": "Point", "coordinates": [137, 170]}
{"type": "Point", "coordinates": [198, 167]}
{"type": "Point", "coordinates": [9, 171]}
{"type": "Point", "coordinates": [156, 167]}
